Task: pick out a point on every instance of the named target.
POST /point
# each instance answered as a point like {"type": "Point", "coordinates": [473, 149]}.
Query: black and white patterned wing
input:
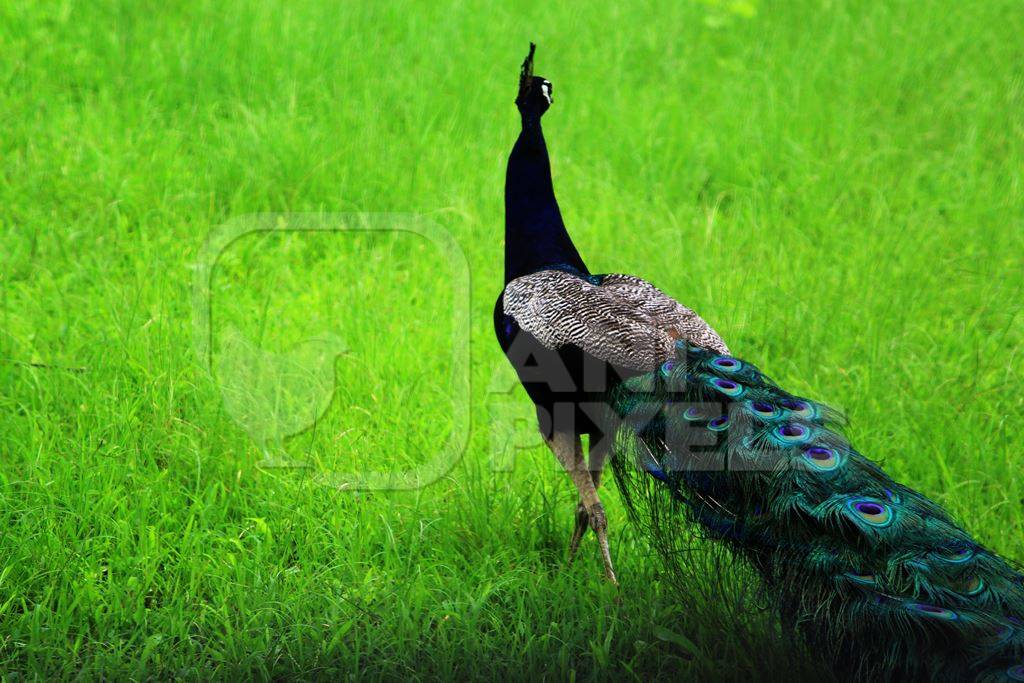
{"type": "Point", "coordinates": [667, 313]}
{"type": "Point", "coordinates": [625, 320]}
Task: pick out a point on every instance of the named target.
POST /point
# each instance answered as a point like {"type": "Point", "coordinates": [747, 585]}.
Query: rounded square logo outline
{"type": "Point", "coordinates": [452, 256]}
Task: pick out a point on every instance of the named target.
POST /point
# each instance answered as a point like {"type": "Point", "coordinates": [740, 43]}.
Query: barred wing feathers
{"type": "Point", "coordinates": [619, 319]}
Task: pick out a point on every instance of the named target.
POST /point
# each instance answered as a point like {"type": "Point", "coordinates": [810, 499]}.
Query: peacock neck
{"type": "Point", "coordinates": [535, 236]}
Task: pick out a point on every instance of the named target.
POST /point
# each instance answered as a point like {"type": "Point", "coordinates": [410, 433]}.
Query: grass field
{"type": "Point", "coordinates": [836, 186]}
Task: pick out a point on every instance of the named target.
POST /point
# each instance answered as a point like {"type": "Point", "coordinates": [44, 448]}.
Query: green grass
{"type": "Point", "coordinates": [836, 186]}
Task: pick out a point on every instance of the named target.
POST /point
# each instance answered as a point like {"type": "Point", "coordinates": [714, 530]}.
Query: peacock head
{"type": "Point", "coordinates": [534, 96]}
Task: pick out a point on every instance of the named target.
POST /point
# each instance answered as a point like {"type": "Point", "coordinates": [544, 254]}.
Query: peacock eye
{"type": "Point", "coordinates": [956, 552]}
{"type": "Point", "coordinates": [799, 408]}
{"type": "Point", "coordinates": [763, 410]}
{"type": "Point", "coordinates": [972, 585]}
{"type": "Point", "coordinates": [791, 433]}
{"type": "Point", "coordinates": [727, 387]}
{"type": "Point", "coordinates": [932, 611]}
{"type": "Point", "coordinates": [692, 414]}
{"type": "Point", "coordinates": [870, 511]}
{"type": "Point", "coordinates": [998, 635]}
{"type": "Point", "coordinates": [719, 423]}
{"type": "Point", "coordinates": [1016, 673]}
{"type": "Point", "coordinates": [821, 458]}
{"type": "Point", "coordinates": [726, 363]}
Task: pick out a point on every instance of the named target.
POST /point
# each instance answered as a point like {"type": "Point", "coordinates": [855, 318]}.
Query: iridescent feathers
{"type": "Point", "coordinates": [877, 578]}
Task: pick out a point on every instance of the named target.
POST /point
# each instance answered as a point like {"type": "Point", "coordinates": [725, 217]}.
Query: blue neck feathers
{"type": "Point", "coordinates": [535, 236]}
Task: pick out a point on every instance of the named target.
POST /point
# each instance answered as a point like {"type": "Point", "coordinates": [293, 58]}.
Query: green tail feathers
{"type": "Point", "coordinates": [871, 573]}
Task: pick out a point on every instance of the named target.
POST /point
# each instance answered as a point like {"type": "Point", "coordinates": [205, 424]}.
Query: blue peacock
{"type": "Point", "coordinates": [870, 573]}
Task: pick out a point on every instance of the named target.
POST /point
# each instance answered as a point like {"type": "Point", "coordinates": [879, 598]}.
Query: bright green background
{"type": "Point", "coordinates": [836, 186]}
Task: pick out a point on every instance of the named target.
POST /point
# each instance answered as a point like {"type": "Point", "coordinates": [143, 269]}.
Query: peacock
{"type": "Point", "coordinates": [866, 571]}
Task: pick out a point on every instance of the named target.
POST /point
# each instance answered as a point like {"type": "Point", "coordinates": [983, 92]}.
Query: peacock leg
{"type": "Point", "coordinates": [598, 455]}
{"type": "Point", "coordinates": [582, 524]}
{"type": "Point", "coordinates": [599, 448]}
{"type": "Point", "coordinates": [569, 452]}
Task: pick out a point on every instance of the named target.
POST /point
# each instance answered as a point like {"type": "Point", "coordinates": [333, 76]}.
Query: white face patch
{"type": "Point", "coordinates": [545, 89]}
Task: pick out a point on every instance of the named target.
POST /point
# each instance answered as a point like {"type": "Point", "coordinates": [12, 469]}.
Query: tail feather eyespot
{"type": "Point", "coordinates": [804, 410]}
{"type": "Point", "coordinates": [931, 611]}
{"type": "Point", "coordinates": [719, 424]}
{"type": "Point", "coordinates": [822, 458]}
{"type": "Point", "coordinates": [727, 386]}
{"type": "Point", "coordinates": [727, 364]}
{"type": "Point", "coordinates": [791, 433]}
{"type": "Point", "coordinates": [972, 585]}
{"type": "Point", "coordinates": [957, 552]}
{"type": "Point", "coordinates": [870, 511]}
{"type": "Point", "coordinates": [692, 414]}
{"type": "Point", "coordinates": [763, 410]}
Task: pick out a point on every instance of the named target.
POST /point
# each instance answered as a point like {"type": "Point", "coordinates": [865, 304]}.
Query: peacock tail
{"type": "Point", "coordinates": [873, 575]}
